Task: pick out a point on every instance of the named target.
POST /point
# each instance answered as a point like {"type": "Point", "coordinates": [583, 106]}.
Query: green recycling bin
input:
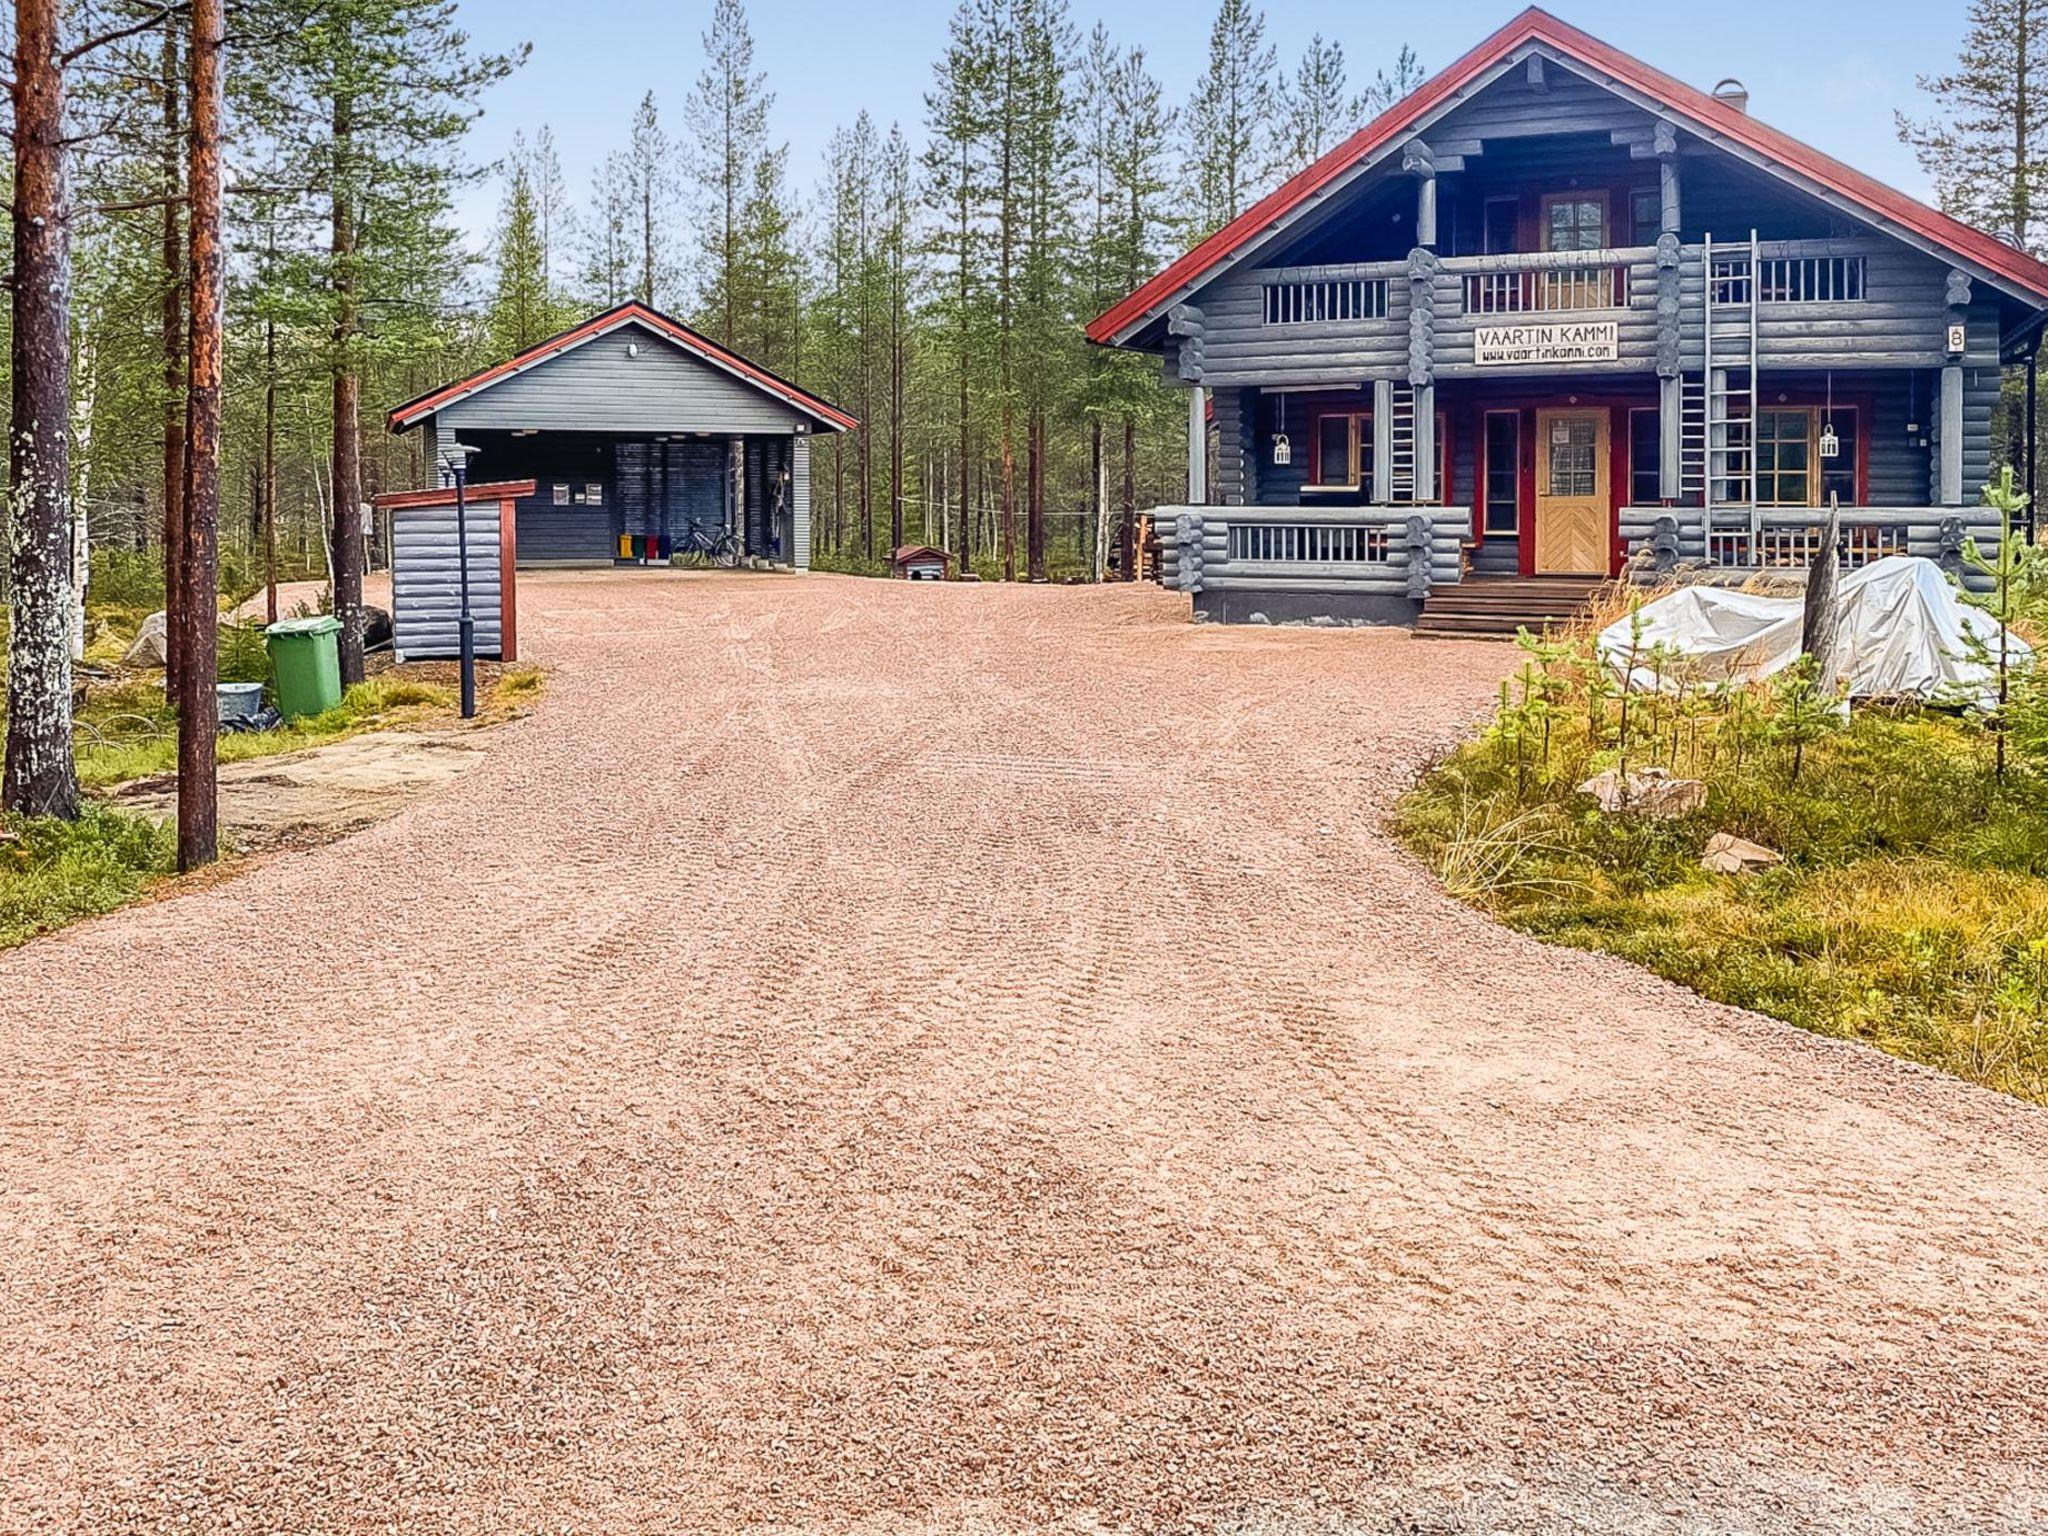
{"type": "Point", "coordinates": [306, 656]}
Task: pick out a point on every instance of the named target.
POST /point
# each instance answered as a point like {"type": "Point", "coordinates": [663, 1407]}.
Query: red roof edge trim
{"type": "Point", "coordinates": [1535, 25]}
{"type": "Point", "coordinates": [413, 411]}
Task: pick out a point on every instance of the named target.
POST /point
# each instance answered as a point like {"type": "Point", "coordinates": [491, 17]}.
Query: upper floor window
{"type": "Point", "coordinates": [1575, 221]}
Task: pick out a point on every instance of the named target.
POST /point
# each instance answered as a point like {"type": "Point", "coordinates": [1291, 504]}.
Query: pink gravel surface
{"type": "Point", "coordinates": [874, 1057]}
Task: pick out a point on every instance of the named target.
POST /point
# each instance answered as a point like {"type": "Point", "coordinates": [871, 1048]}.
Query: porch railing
{"type": "Point", "coordinates": [1662, 540]}
{"type": "Point", "coordinates": [1393, 551]}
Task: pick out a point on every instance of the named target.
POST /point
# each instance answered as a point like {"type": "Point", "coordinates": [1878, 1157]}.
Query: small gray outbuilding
{"type": "Point", "coordinates": [636, 431]}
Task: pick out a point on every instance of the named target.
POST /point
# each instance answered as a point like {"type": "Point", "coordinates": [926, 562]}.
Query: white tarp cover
{"type": "Point", "coordinates": [1904, 633]}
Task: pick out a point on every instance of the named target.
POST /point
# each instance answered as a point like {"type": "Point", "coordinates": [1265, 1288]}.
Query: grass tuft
{"type": "Point", "coordinates": [55, 872]}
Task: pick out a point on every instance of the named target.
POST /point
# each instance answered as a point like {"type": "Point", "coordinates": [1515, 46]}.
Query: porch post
{"type": "Point", "coordinates": [1670, 389]}
{"type": "Point", "coordinates": [2033, 380]}
{"type": "Point", "coordinates": [1419, 161]}
{"type": "Point", "coordinates": [1198, 445]}
{"type": "Point", "coordinates": [1949, 441]}
{"type": "Point", "coordinates": [1382, 442]}
{"type": "Point", "coordinates": [1949, 445]}
{"type": "Point", "coordinates": [1670, 405]}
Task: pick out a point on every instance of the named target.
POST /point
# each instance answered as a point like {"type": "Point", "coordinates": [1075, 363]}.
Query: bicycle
{"type": "Point", "coordinates": [721, 546]}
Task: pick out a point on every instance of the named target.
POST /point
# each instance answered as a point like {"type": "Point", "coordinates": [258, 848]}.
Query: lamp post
{"type": "Point", "coordinates": [455, 459]}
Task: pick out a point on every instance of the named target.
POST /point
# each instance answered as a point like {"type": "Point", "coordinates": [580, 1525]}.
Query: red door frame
{"type": "Point", "coordinates": [1614, 398]}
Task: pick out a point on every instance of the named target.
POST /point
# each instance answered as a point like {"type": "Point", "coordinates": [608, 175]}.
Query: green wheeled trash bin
{"type": "Point", "coordinates": [306, 656]}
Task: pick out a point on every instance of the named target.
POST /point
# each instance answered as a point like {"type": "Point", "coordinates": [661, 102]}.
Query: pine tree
{"type": "Point", "coordinates": [41, 779]}
{"type": "Point", "coordinates": [1045, 53]}
{"type": "Point", "coordinates": [1229, 119]}
{"type": "Point", "coordinates": [554, 217]}
{"type": "Point", "coordinates": [956, 185]}
{"type": "Point", "coordinates": [896, 238]}
{"type": "Point", "coordinates": [651, 182]}
{"type": "Point", "coordinates": [1387, 89]}
{"type": "Point", "coordinates": [1317, 111]}
{"type": "Point", "coordinates": [606, 277]}
{"type": "Point", "coordinates": [1138, 138]}
{"type": "Point", "coordinates": [520, 313]}
{"type": "Point", "coordinates": [727, 115]}
{"type": "Point", "coordinates": [771, 299]}
{"type": "Point", "coordinates": [1986, 145]}
{"type": "Point", "coordinates": [366, 101]}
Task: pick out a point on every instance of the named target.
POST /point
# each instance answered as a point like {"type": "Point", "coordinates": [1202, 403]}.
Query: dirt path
{"type": "Point", "coordinates": [325, 790]}
{"type": "Point", "coordinates": [873, 1057]}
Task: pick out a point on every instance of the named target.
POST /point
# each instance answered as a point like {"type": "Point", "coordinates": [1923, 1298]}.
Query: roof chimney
{"type": "Point", "coordinates": [1734, 93]}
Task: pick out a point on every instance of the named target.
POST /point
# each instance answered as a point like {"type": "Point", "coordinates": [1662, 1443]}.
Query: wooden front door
{"type": "Point", "coordinates": [1573, 504]}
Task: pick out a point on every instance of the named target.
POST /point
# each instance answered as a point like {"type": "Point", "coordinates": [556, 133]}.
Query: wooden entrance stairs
{"type": "Point", "coordinates": [1499, 605]}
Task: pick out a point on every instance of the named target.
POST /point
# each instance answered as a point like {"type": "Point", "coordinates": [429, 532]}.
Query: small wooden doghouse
{"type": "Point", "coordinates": [920, 562]}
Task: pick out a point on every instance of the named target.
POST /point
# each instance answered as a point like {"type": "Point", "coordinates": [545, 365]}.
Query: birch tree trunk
{"type": "Point", "coordinates": [198, 713]}
{"type": "Point", "coordinates": [40, 778]}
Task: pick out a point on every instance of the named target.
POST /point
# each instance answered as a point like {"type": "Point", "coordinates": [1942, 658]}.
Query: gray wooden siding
{"type": "Point", "coordinates": [426, 581]}
{"type": "Point", "coordinates": [598, 387]}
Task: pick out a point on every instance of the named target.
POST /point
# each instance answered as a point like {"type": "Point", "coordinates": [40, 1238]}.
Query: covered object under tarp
{"type": "Point", "coordinates": [1905, 633]}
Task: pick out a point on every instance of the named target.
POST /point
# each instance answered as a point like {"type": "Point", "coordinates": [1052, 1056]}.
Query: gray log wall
{"type": "Point", "coordinates": [1899, 322]}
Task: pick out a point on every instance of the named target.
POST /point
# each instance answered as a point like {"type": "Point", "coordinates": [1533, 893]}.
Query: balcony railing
{"type": "Point", "coordinates": [1546, 291]}
{"type": "Point", "coordinates": [1325, 300]}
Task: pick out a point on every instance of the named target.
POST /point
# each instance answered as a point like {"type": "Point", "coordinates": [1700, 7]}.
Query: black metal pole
{"type": "Point", "coordinates": [465, 624]}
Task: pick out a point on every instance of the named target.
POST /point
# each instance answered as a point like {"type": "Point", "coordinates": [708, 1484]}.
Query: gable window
{"type": "Point", "coordinates": [1575, 221]}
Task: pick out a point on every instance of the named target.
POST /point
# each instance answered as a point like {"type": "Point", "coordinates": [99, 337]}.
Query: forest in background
{"type": "Point", "coordinates": [929, 276]}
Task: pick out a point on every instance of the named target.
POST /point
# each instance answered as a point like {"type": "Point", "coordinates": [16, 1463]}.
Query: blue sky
{"type": "Point", "coordinates": [1828, 71]}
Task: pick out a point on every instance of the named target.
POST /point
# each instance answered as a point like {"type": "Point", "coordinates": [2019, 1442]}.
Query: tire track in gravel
{"type": "Point", "coordinates": [876, 1058]}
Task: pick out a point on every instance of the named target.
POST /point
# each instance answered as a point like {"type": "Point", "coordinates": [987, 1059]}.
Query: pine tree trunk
{"type": "Point", "coordinates": [198, 797]}
{"type": "Point", "coordinates": [1127, 531]}
{"type": "Point", "coordinates": [896, 368]}
{"type": "Point", "coordinates": [173, 321]}
{"type": "Point", "coordinates": [1098, 490]}
{"type": "Point", "coordinates": [269, 490]}
{"type": "Point", "coordinates": [346, 486]}
{"type": "Point", "coordinates": [41, 779]}
{"type": "Point", "coordinates": [1034, 491]}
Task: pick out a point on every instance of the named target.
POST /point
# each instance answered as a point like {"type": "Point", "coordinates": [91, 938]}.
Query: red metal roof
{"type": "Point", "coordinates": [1536, 25]}
{"type": "Point", "coordinates": [413, 411]}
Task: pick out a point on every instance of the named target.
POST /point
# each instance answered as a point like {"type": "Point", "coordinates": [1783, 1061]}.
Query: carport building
{"type": "Point", "coordinates": [633, 429]}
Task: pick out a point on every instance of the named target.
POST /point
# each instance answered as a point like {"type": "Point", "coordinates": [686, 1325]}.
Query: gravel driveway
{"type": "Point", "coordinates": [872, 1057]}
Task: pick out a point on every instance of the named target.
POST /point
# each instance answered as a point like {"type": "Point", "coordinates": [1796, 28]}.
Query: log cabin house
{"type": "Point", "coordinates": [1554, 308]}
{"type": "Point", "coordinates": [635, 429]}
